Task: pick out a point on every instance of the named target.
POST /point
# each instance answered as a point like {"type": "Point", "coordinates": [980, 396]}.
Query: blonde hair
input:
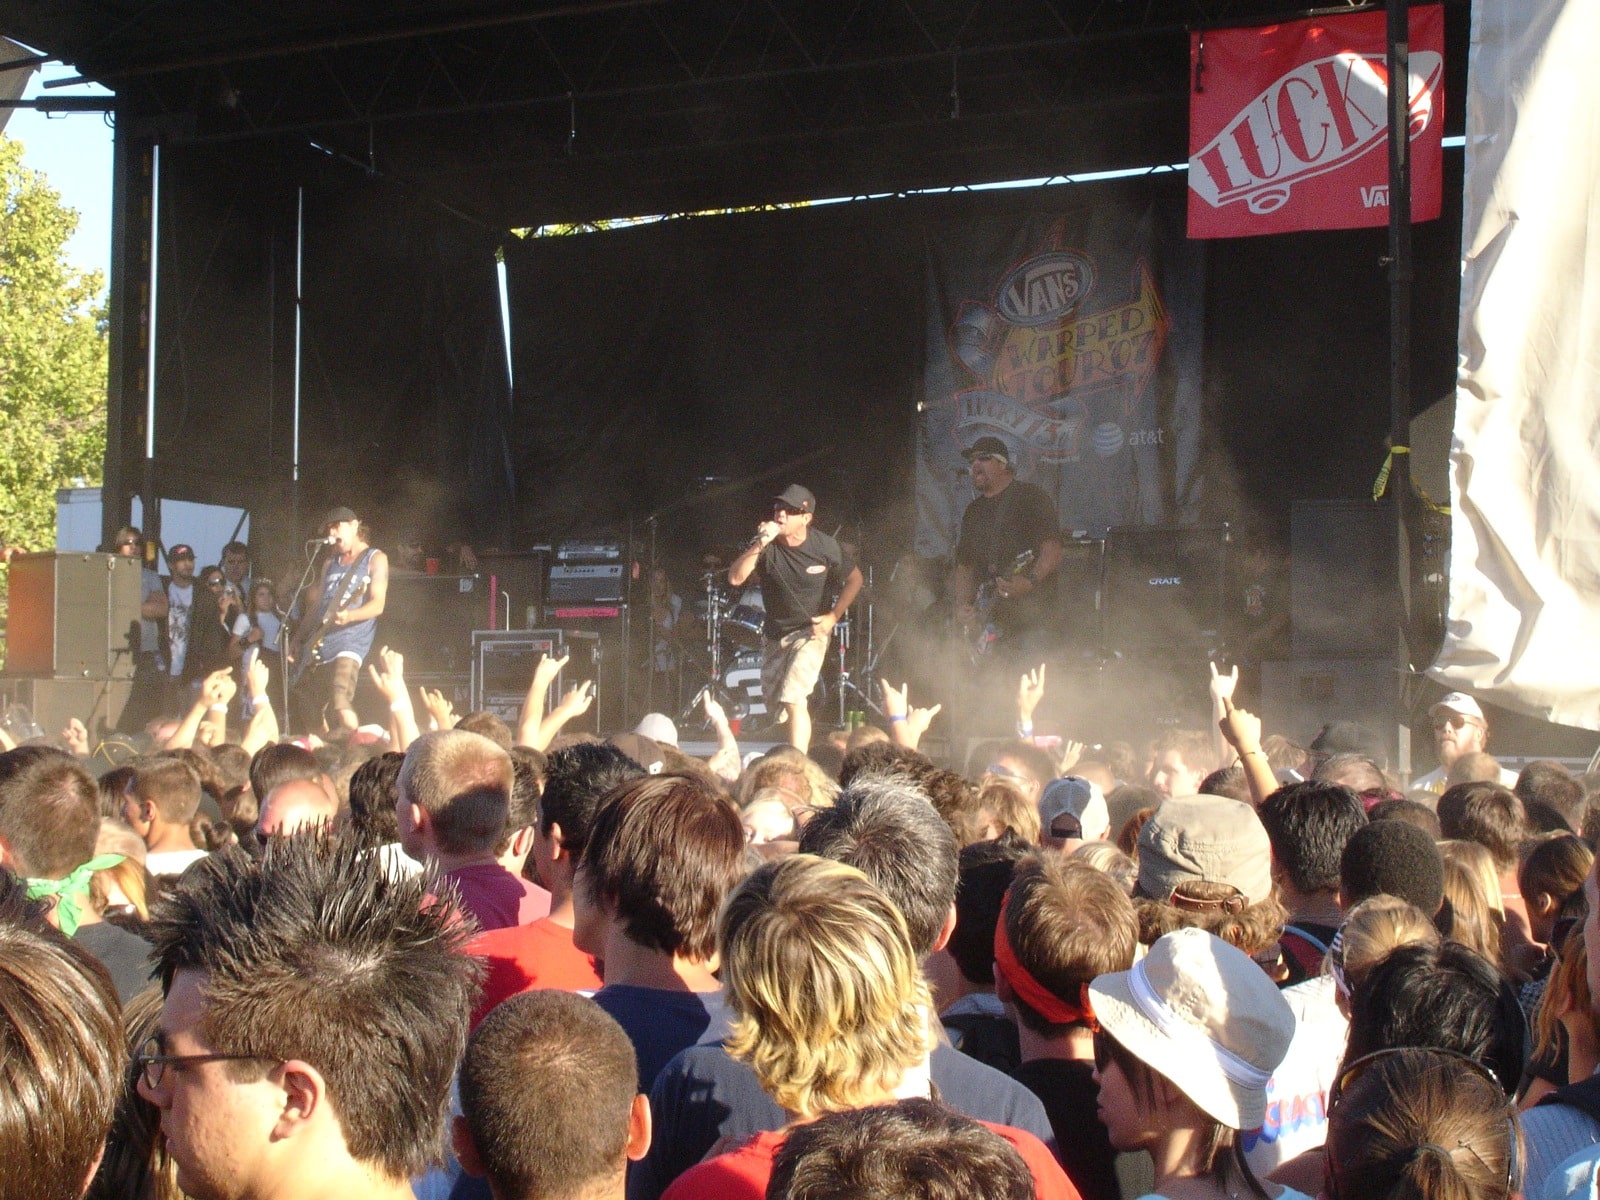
{"type": "Point", "coordinates": [831, 1008]}
{"type": "Point", "coordinates": [1004, 801]}
{"type": "Point", "coordinates": [1474, 919]}
{"type": "Point", "coordinates": [1107, 859]}
{"type": "Point", "coordinates": [1477, 858]}
{"type": "Point", "coordinates": [1371, 930]}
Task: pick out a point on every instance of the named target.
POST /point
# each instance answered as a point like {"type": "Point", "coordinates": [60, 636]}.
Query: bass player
{"type": "Point", "coordinates": [1009, 548]}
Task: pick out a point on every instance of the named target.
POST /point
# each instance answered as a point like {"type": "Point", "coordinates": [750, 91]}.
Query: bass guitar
{"type": "Point", "coordinates": [988, 633]}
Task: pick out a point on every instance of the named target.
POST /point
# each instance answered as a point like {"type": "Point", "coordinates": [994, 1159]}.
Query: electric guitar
{"type": "Point", "coordinates": [988, 633]}
{"type": "Point", "coordinates": [305, 653]}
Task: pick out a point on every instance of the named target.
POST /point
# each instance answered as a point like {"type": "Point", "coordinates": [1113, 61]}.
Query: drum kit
{"type": "Point", "coordinates": [729, 661]}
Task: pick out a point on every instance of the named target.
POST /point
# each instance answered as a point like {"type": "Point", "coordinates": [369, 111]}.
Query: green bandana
{"type": "Point", "coordinates": [69, 892]}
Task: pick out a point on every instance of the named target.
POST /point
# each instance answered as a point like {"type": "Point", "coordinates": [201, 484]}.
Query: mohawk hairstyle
{"type": "Point", "coordinates": [316, 952]}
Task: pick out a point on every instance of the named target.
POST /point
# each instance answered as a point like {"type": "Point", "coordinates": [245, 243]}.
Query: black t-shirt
{"type": "Point", "coordinates": [798, 582]}
{"type": "Point", "coordinates": [1070, 1096]}
{"type": "Point", "coordinates": [995, 530]}
{"type": "Point", "coordinates": [124, 955]}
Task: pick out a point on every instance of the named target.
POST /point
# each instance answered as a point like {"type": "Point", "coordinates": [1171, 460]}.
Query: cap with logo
{"type": "Point", "coordinates": [181, 550]}
{"type": "Point", "coordinates": [797, 499]}
{"type": "Point", "coordinates": [1459, 702]}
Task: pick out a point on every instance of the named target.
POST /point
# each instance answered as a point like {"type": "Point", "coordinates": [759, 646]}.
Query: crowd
{"type": "Point", "coordinates": [459, 959]}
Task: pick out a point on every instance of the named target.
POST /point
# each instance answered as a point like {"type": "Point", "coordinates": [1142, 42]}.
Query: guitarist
{"type": "Point", "coordinates": [1007, 519]}
{"type": "Point", "coordinates": [342, 609]}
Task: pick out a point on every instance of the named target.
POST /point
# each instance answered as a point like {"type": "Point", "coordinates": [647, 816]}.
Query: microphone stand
{"type": "Point", "coordinates": [291, 624]}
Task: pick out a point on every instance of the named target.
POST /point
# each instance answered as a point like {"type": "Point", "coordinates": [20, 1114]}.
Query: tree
{"type": "Point", "coordinates": [52, 357]}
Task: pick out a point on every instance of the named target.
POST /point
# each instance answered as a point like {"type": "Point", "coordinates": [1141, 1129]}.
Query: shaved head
{"type": "Point", "coordinates": [294, 805]}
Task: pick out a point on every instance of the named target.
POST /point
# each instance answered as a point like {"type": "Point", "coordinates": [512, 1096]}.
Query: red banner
{"type": "Point", "coordinates": [1288, 124]}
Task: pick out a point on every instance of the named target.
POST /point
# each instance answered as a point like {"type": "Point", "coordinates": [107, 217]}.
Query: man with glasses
{"type": "Point", "coordinates": [802, 570]}
{"type": "Point", "coordinates": [1459, 729]}
{"type": "Point", "coordinates": [315, 1010]}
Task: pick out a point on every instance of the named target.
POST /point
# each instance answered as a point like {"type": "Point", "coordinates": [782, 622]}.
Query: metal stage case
{"type": "Point", "coordinates": [502, 668]}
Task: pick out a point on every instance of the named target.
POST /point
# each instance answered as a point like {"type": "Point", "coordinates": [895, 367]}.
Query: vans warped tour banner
{"type": "Point", "coordinates": [1075, 339]}
{"type": "Point", "coordinates": [1524, 623]}
{"type": "Point", "coordinates": [1289, 124]}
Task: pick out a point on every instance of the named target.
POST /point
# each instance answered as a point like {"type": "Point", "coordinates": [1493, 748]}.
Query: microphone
{"type": "Point", "coordinates": [322, 541]}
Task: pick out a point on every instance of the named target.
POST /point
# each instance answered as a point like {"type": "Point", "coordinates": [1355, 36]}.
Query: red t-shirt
{"type": "Point", "coordinates": [525, 958]}
{"type": "Point", "coordinates": [743, 1174]}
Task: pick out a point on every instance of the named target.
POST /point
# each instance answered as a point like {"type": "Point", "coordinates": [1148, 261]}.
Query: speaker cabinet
{"type": "Point", "coordinates": [98, 703]}
{"type": "Point", "coordinates": [73, 616]}
{"type": "Point", "coordinates": [430, 619]}
{"type": "Point", "coordinates": [1299, 697]}
{"type": "Point", "coordinates": [1164, 587]}
{"type": "Point", "coordinates": [1343, 580]}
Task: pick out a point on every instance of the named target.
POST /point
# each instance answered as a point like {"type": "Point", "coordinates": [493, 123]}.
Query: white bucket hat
{"type": "Point", "coordinates": [1203, 1014]}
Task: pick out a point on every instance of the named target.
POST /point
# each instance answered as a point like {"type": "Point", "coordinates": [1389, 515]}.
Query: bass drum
{"type": "Point", "coordinates": [741, 681]}
{"type": "Point", "coordinates": [741, 628]}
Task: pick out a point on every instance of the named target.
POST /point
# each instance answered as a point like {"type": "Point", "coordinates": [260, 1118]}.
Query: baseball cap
{"type": "Point", "coordinates": [1208, 839]}
{"type": "Point", "coordinates": [658, 727]}
{"type": "Point", "coordinates": [181, 550]}
{"type": "Point", "coordinates": [1350, 737]}
{"type": "Point", "coordinates": [1081, 798]}
{"type": "Point", "coordinates": [644, 751]}
{"type": "Point", "coordinates": [339, 515]}
{"type": "Point", "coordinates": [991, 446]}
{"type": "Point", "coordinates": [1459, 702]}
{"type": "Point", "coordinates": [1202, 1013]}
{"type": "Point", "coordinates": [797, 499]}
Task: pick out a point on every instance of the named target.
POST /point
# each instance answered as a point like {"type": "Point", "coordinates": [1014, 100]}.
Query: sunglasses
{"type": "Point", "coordinates": [1453, 721]}
{"type": "Point", "coordinates": [1357, 1069]}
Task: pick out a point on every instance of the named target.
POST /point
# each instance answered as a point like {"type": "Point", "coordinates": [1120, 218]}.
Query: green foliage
{"type": "Point", "coordinates": [52, 357]}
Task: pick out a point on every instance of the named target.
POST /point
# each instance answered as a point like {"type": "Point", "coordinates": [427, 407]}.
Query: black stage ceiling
{"type": "Point", "coordinates": [536, 112]}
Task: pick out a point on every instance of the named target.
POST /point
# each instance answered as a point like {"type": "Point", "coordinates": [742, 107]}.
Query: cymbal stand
{"type": "Point", "coordinates": [712, 685]}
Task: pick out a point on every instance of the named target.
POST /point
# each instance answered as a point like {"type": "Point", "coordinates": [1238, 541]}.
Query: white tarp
{"type": "Point", "coordinates": [1524, 625]}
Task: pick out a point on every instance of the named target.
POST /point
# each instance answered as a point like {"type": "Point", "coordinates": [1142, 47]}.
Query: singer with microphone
{"type": "Point", "coordinates": [341, 617]}
{"type": "Point", "coordinates": [801, 571]}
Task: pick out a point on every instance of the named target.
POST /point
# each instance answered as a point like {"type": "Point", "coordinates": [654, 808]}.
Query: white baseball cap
{"type": "Point", "coordinates": [1459, 702]}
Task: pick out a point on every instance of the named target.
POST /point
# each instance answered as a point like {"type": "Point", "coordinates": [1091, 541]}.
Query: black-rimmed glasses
{"type": "Point", "coordinates": [153, 1063]}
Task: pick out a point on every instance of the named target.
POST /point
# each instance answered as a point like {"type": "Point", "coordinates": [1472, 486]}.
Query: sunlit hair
{"type": "Point", "coordinates": [1066, 923]}
{"type": "Point", "coordinates": [1477, 859]}
{"type": "Point", "coordinates": [1420, 1125]}
{"type": "Point", "coordinates": [1253, 929]}
{"type": "Point", "coordinates": [1566, 990]}
{"type": "Point", "coordinates": [1555, 864]}
{"type": "Point", "coordinates": [61, 1062]}
{"type": "Point", "coordinates": [1107, 859]}
{"type": "Point", "coordinates": [1371, 930]}
{"type": "Point", "coordinates": [1009, 809]}
{"type": "Point", "coordinates": [915, 1150]}
{"type": "Point", "coordinates": [1474, 919]}
{"type": "Point", "coordinates": [129, 876]}
{"type": "Point", "coordinates": [463, 782]}
{"type": "Point", "coordinates": [316, 952]}
{"type": "Point", "coordinates": [830, 1005]}
{"type": "Point", "coordinates": [136, 1165]}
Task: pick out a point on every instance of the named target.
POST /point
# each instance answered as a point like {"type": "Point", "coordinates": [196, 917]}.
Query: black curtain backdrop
{"type": "Point", "coordinates": [756, 348]}
{"type": "Point", "coordinates": [693, 368]}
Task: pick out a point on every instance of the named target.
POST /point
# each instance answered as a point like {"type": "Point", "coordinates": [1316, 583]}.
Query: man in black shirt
{"type": "Point", "coordinates": [801, 571]}
{"type": "Point", "coordinates": [1005, 522]}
